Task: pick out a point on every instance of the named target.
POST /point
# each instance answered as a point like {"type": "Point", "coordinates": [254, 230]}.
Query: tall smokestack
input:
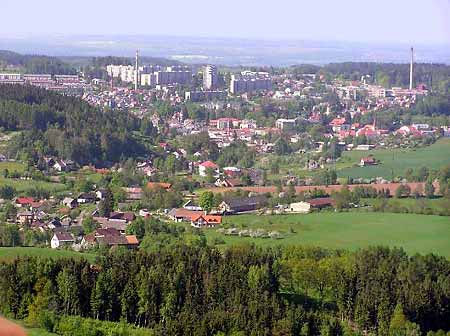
{"type": "Point", "coordinates": [411, 69]}
{"type": "Point", "coordinates": [136, 79]}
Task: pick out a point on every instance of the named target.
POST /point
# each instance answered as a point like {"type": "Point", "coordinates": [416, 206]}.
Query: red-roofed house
{"type": "Point", "coordinates": [202, 221]}
{"type": "Point", "coordinates": [153, 185]}
{"type": "Point", "coordinates": [24, 201]}
{"type": "Point", "coordinates": [368, 161]}
{"type": "Point", "coordinates": [338, 124]}
{"type": "Point", "coordinates": [204, 166]}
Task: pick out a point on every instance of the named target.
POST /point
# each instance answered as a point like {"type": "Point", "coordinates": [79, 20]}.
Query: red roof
{"type": "Point", "coordinates": [24, 200]}
{"type": "Point", "coordinates": [321, 201]}
{"type": "Point", "coordinates": [337, 122]}
{"type": "Point", "coordinates": [210, 219]}
{"type": "Point", "coordinates": [369, 159]}
{"type": "Point", "coordinates": [209, 164]}
{"type": "Point", "coordinates": [152, 185]}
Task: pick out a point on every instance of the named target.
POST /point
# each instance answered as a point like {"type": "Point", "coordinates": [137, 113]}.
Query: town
{"type": "Point", "coordinates": [130, 164]}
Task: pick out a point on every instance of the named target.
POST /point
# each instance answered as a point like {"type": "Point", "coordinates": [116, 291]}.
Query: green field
{"type": "Point", "coordinates": [8, 253]}
{"type": "Point", "coordinates": [24, 185]}
{"type": "Point", "coordinates": [395, 161]}
{"type": "Point", "coordinates": [12, 166]}
{"type": "Point", "coordinates": [351, 230]}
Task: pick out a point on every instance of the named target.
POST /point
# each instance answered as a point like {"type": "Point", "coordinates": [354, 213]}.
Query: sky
{"type": "Point", "coordinates": [391, 21]}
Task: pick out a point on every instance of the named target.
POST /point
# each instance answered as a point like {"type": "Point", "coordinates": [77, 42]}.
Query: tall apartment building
{"type": "Point", "coordinates": [248, 81]}
{"type": "Point", "coordinates": [174, 75]}
{"type": "Point", "coordinates": [151, 75]}
{"type": "Point", "coordinates": [210, 77]}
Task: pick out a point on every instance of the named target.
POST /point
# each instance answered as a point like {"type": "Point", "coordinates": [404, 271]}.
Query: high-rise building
{"type": "Point", "coordinates": [248, 81]}
{"type": "Point", "coordinates": [210, 77]}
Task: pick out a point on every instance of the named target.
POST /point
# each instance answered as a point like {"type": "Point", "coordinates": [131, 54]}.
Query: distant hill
{"type": "Point", "coordinates": [35, 63]}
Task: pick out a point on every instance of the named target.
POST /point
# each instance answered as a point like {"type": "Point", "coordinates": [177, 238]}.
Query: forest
{"type": "Point", "coordinates": [36, 63]}
{"type": "Point", "coordinates": [66, 127]}
{"type": "Point", "coordinates": [434, 76]}
{"type": "Point", "coordinates": [244, 290]}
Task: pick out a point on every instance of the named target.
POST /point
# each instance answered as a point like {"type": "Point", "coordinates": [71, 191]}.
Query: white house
{"type": "Point", "coordinates": [204, 166]}
{"type": "Point", "coordinates": [299, 207]}
{"type": "Point", "coordinates": [61, 239]}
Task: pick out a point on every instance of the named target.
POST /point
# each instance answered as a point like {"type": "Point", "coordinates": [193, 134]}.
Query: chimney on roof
{"type": "Point", "coordinates": [411, 69]}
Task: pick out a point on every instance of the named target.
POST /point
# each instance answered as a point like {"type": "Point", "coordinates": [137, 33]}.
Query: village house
{"type": "Point", "coordinates": [368, 161]}
{"type": "Point", "coordinates": [24, 202]}
{"type": "Point", "coordinates": [307, 206]}
{"type": "Point", "coordinates": [339, 124]}
{"type": "Point", "coordinates": [69, 202]}
{"type": "Point", "coordinates": [106, 223]}
{"type": "Point", "coordinates": [207, 165]}
{"type": "Point", "coordinates": [202, 221]}
{"type": "Point", "coordinates": [158, 185]}
{"type": "Point", "coordinates": [180, 215]}
{"type": "Point", "coordinates": [87, 197]}
{"type": "Point", "coordinates": [62, 239]}
{"type": "Point", "coordinates": [109, 237]}
{"type": "Point", "coordinates": [25, 217]}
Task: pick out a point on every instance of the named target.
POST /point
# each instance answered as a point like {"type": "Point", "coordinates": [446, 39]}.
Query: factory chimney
{"type": "Point", "coordinates": [411, 69]}
{"type": "Point", "coordinates": [136, 78]}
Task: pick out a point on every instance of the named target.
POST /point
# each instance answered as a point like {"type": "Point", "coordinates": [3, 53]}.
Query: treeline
{"type": "Point", "coordinates": [36, 63]}
{"type": "Point", "coordinates": [187, 290]}
{"type": "Point", "coordinates": [65, 127]}
{"type": "Point", "coordinates": [435, 76]}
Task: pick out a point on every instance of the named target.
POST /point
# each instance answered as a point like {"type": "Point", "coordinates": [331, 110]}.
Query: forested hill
{"type": "Point", "coordinates": [436, 76]}
{"type": "Point", "coordinates": [66, 127]}
{"type": "Point", "coordinates": [36, 63]}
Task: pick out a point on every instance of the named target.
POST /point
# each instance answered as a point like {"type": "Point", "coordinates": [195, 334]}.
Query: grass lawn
{"type": "Point", "coordinates": [8, 253]}
{"type": "Point", "coordinates": [24, 185]}
{"type": "Point", "coordinates": [12, 166]}
{"type": "Point", "coordinates": [395, 161]}
{"type": "Point", "coordinates": [351, 230]}
{"type": "Point", "coordinates": [437, 204]}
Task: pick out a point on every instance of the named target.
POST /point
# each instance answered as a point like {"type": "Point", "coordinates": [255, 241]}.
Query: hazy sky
{"type": "Point", "coordinates": [399, 21]}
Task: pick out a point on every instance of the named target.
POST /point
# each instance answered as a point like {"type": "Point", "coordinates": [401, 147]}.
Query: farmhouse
{"type": "Point", "coordinates": [61, 239]}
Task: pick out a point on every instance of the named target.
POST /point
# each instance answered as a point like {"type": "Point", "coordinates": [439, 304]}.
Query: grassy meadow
{"type": "Point", "coordinates": [8, 253]}
{"type": "Point", "coordinates": [394, 162]}
{"type": "Point", "coordinates": [348, 230]}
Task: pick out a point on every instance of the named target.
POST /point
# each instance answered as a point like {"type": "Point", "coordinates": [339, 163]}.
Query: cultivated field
{"type": "Point", "coordinates": [8, 253]}
{"type": "Point", "coordinates": [394, 162]}
{"type": "Point", "coordinates": [352, 230]}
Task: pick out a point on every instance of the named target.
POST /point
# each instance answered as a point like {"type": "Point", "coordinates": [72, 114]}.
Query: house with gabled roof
{"type": "Point", "coordinates": [202, 221]}
{"type": "Point", "coordinates": [61, 239]}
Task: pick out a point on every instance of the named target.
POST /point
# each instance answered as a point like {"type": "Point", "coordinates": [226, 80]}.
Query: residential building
{"type": "Point", "coordinates": [205, 166]}
{"type": "Point", "coordinates": [210, 77]}
{"type": "Point", "coordinates": [61, 239]}
{"type": "Point", "coordinates": [286, 124]}
{"type": "Point", "coordinates": [202, 221]}
{"type": "Point", "coordinates": [247, 82]}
